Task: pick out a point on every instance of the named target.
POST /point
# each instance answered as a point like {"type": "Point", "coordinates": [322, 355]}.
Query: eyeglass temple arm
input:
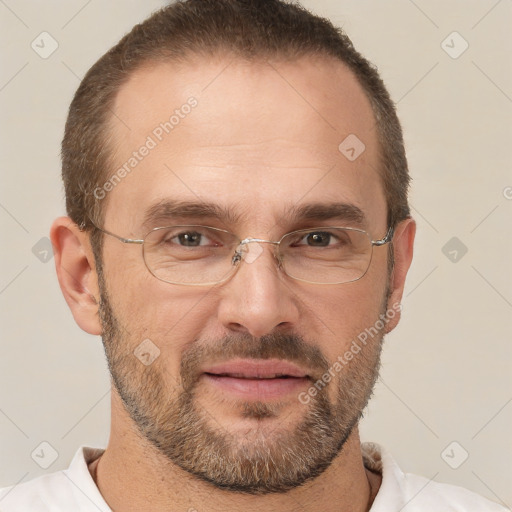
{"type": "Point", "coordinates": [386, 239]}
{"type": "Point", "coordinates": [120, 238]}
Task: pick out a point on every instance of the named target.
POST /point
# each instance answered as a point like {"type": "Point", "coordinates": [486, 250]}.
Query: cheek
{"type": "Point", "coordinates": [351, 333]}
{"type": "Point", "coordinates": [342, 313]}
{"type": "Point", "coordinates": [172, 317]}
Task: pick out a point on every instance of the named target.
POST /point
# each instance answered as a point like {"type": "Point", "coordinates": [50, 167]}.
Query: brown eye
{"type": "Point", "coordinates": [190, 239]}
{"type": "Point", "coordinates": [319, 239]}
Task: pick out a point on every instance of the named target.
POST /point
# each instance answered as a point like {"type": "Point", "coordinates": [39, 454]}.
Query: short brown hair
{"type": "Point", "coordinates": [245, 28]}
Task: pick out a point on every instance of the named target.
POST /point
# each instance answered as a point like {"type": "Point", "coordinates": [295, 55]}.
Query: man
{"type": "Point", "coordinates": [239, 235]}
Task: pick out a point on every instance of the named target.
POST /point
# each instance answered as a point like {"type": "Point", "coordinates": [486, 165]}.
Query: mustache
{"type": "Point", "coordinates": [290, 347]}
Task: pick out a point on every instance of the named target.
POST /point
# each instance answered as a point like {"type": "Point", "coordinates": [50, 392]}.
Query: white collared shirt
{"type": "Point", "coordinates": [74, 490]}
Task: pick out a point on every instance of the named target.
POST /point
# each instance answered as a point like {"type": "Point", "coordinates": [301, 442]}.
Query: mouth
{"type": "Point", "coordinates": [257, 379]}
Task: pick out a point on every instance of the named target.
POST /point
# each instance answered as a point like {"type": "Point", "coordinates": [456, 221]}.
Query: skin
{"type": "Point", "coordinates": [263, 137]}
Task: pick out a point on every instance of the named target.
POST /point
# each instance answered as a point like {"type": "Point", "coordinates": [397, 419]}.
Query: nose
{"type": "Point", "coordinates": [258, 299]}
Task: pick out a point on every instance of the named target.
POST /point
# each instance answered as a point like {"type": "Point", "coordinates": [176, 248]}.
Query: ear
{"type": "Point", "coordinates": [403, 242]}
{"type": "Point", "coordinates": [76, 271]}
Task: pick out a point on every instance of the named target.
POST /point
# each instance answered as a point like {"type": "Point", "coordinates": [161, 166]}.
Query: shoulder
{"type": "Point", "coordinates": [61, 491]}
{"type": "Point", "coordinates": [422, 494]}
{"type": "Point", "coordinates": [413, 493]}
{"type": "Point", "coordinates": [38, 494]}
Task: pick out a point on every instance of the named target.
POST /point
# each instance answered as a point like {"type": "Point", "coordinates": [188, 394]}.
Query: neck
{"type": "Point", "coordinates": [148, 477]}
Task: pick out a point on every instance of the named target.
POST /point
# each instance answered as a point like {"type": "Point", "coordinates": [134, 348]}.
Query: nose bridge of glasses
{"type": "Point", "coordinates": [248, 255]}
{"type": "Point", "coordinates": [249, 240]}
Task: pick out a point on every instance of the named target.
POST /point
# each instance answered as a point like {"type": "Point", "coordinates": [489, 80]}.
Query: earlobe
{"type": "Point", "coordinates": [403, 244]}
{"type": "Point", "coordinates": [76, 271]}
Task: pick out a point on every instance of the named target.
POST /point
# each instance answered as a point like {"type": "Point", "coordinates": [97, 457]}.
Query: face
{"type": "Point", "coordinates": [242, 388]}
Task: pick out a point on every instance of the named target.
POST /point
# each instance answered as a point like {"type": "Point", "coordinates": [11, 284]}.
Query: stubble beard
{"type": "Point", "coordinates": [265, 460]}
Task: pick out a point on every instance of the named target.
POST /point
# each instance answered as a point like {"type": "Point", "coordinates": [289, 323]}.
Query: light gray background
{"type": "Point", "coordinates": [446, 369]}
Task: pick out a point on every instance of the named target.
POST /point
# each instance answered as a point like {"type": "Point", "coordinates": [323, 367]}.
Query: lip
{"type": "Point", "coordinates": [254, 379]}
{"type": "Point", "coordinates": [256, 369]}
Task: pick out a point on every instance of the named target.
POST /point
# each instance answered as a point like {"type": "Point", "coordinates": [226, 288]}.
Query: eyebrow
{"type": "Point", "coordinates": [345, 212]}
{"type": "Point", "coordinates": [169, 210]}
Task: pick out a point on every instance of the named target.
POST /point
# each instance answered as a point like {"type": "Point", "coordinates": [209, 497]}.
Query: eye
{"type": "Point", "coordinates": [189, 239]}
{"type": "Point", "coordinates": [319, 239]}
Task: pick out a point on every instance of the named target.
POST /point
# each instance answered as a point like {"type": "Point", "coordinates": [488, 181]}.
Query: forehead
{"type": "Point", "coordinates": [254, 134]}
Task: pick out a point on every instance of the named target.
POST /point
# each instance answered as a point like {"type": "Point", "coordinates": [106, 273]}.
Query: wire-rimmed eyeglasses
{"type": "Point", "coordinates": [197, 255]}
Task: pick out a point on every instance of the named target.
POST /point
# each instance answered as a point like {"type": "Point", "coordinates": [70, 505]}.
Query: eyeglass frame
{"type": "Point", "coordinates": [237, 256]}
